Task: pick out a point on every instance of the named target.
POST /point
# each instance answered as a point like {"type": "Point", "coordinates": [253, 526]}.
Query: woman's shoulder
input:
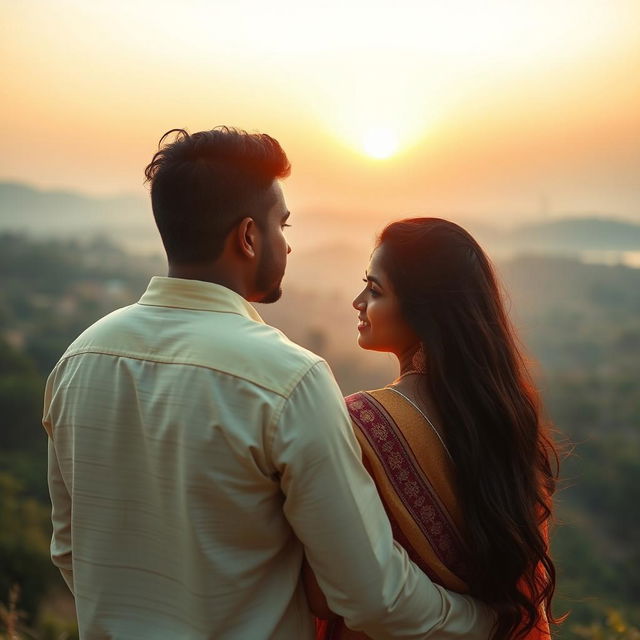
{"type": "Point", "coordinates": [363, 399]}
{"type": "Point", "coordinates": [397, 408]}
{"type": "Point", "coordinates": [369, 408]}
{"type": "Point", "coordinates": [365, 394]}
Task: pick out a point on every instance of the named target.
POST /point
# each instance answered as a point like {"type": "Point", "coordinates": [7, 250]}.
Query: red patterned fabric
{"type": "Point", "coordinates": [409, 482]}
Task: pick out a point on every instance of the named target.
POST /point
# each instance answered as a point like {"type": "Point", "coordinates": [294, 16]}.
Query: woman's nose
{"type": "Point", "coordinates": [358, 304]}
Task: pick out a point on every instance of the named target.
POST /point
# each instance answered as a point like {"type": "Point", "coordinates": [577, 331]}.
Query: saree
{"type": "Point", "coordinates": [414, 475]}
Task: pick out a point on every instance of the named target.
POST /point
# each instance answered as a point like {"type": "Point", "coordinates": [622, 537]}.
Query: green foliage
{"type": "Point", "coordinates": [52, 627]}
{"type": "Point", "coordinates": [24, 545]}
{"type": "Point", "coordinates": [21, 402]}
{"type": "Point", "coordinates": [48, 626]}
{"type": "Point", "coordinates": [51, 291]}
{"type": "Point", "coordinates": [614, 628]}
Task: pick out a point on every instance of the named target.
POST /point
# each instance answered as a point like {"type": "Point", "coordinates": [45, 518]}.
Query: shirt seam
{"type": "Point", "coordinates": [172, 306]}
{"type": "Point", "coordinates": [283, 394]}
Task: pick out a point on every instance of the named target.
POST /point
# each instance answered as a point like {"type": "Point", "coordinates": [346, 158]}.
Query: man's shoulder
{"type": "Point", "coordinates": [227, 343]}
{"type": "Point", "coordinates": [262, 354]}
{"type": "Point", "coordinates": [103, 326]}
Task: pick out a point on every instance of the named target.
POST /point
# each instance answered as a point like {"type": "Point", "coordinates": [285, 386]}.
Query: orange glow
{"type": "Point", "coordinates": [479, 107]}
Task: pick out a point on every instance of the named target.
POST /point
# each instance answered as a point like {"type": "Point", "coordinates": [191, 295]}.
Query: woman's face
{"type": "Point", "coordinates": [382, 326]}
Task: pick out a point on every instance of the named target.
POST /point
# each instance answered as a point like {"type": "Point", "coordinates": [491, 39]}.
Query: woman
{"type": "Point", "coordinates": [456, 444]}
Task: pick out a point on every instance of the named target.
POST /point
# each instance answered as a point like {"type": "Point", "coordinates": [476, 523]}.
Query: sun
{"type": "Point", "coordinates": [380, 142]}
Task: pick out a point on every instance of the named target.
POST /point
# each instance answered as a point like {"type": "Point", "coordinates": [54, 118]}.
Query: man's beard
{"type": "Point", "coordinates": [265, 280]}
{"type": "Point", "coordinates": [273, 296]}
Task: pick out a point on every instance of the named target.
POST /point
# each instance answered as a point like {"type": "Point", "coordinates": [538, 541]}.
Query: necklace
{"type": "Point", "coordinates": [409, 372]}
{"type": "Point", "coordinates": [424, 415]}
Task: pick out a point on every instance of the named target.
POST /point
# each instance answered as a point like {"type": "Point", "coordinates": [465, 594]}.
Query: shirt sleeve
{"type": "Point", "coordinates": [334, 509]}
{"type": "Point", "coordinates": [60, 503]}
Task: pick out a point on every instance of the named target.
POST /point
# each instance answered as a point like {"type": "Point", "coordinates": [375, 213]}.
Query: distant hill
{"type": "Point", "coordinates": [23, 207]}
{"type": "Point", "coordinates": [578, 234]}
{"type": "Point", "coordinates": [128, 220]}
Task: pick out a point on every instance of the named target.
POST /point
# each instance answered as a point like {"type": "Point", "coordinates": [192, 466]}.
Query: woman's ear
{"type": "Point", "coordinates": [247, 237]}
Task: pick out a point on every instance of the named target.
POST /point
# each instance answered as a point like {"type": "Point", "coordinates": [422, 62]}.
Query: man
{"type": "Point", "coordinates": [196, 454]}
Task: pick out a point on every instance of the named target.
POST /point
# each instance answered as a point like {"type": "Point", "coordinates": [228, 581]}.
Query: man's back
{"type": "Point", "coordinates": [161, 420]}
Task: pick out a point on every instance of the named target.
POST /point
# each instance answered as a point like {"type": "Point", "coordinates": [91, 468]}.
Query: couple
{"type": "Point", "coordinates": [208, 480]}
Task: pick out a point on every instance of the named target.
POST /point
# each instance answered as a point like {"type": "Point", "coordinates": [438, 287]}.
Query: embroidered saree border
{"type": "Point", "coordinates": [408, 493]}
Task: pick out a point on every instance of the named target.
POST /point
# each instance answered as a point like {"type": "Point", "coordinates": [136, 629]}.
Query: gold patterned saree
{"type": "Point", "coordinates": [413, 472]}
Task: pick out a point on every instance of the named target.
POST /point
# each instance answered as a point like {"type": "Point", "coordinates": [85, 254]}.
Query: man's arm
{"type": "Point", "coordinates": [60, 502]}
{"type": "Point", "coordinates": [334, 508]}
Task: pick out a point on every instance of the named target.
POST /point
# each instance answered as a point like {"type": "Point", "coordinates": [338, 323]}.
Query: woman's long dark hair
{"type": "Point", "coordinates": [490, 413]}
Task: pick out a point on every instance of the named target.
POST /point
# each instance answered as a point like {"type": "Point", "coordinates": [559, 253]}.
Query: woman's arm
{"type": "Point", "coordinates": [317, 601]}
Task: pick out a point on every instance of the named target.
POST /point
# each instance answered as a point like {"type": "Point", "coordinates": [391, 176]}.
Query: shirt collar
{"type": "Point", "coordinates": [181, 293]}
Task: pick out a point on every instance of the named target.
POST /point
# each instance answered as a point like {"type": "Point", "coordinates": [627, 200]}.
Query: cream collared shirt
{"type": "Point", "coordinates": [195, 453]}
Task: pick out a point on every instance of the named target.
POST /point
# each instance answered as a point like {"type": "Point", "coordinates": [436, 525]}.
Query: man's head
{"type": "Point", "coordinates": [216, 199]}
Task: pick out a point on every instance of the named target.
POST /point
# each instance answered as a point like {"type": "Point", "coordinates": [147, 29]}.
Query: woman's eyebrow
{"type": "Point", "coordinates": [372, 279]}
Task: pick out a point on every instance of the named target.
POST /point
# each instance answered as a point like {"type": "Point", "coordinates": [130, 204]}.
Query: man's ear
{"type": "Point", "coordinates": [247, 237]}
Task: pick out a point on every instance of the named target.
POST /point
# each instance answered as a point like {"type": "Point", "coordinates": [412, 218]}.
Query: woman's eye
{"type": "Point", "coordinates": [370, 289]}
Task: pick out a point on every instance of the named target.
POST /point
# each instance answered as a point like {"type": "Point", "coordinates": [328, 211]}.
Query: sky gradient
{"type": "Point", "coordinates": [503, 110]}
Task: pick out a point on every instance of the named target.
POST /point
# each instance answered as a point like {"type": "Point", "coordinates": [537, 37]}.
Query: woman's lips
{"type": "Point", "coordinates": [362, 325]}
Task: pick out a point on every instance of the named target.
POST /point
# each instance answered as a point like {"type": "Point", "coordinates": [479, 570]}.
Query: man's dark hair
{"type": "Point", "coordinates": [203, 184]}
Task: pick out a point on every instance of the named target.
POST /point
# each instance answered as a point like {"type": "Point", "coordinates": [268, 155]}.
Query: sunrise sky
{"type": "Point", "coordinates": [499, 109]}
